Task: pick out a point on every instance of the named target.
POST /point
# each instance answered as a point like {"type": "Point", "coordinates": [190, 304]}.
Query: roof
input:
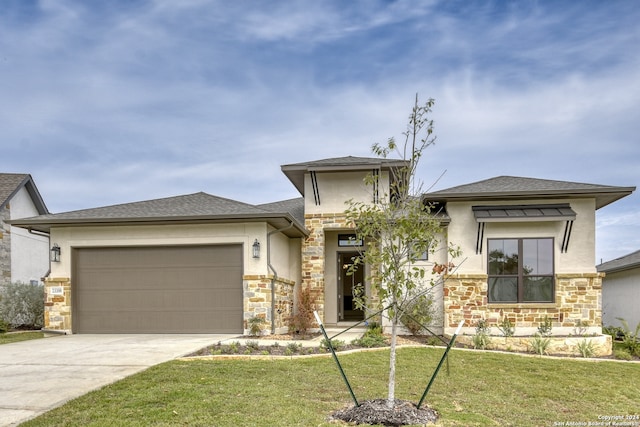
{"type": "Point", "coordinates": [191, 208]}
{"type": "Point", "coordinates": [11, 183]}
{"type": "Point", "coordinates": [626, 262]}
{"type": "Point", "coordinates": [518, 188]}
{"type": "Point", "coordinates": [495, 213]}
{"type": "Point", "coordinates": [295, 171]}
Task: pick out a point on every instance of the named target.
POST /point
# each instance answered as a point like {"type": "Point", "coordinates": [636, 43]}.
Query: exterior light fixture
{"type": "Point", "coordinates": [256, 249]}
{"type": "Point", "coordinates": [55, 253]}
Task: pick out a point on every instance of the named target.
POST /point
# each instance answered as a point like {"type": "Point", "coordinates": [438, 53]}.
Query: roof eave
{"type": "Point", "coordinates": [45, 225]}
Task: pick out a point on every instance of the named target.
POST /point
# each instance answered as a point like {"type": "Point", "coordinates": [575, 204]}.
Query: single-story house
{"type": "Point", "coordinates": [24, 254]}
{"type": "Point", "coordinates": [621, 290]}
{"type": "Point", "coordinates": [200, 263]}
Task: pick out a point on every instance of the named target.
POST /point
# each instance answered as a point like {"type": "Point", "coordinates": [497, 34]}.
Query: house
{"type": "Point", "coordinates": [200, 263]}
{"type": "Point", "coordinates": [621, 290]}
{"type": "Point", "coordinates": [24, 254]}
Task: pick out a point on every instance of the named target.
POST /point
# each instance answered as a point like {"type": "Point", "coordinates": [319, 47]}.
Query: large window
{"type": "Point", "coordinates": [520, 270]}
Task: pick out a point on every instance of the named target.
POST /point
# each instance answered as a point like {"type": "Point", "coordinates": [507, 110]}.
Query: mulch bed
{"type": "Point", "coordinates": [376, 412]}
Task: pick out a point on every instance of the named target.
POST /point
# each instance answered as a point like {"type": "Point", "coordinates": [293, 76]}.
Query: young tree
{"type": "Point", "coordinates": [398, 229]}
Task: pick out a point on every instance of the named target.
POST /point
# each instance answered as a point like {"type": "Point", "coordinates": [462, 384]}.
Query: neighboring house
{"type": "Point", "coordinates": [200, 263]}
{"type": "Point", "coordinates": [621, 290]}
{"type": "Point", "coordinates": [24, 255]}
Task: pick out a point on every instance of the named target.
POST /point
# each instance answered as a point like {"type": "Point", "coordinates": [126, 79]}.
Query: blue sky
{"type": "Point", "coordinates": [118, 101]}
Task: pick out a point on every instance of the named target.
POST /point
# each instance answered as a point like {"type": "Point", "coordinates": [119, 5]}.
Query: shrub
{"type": "Point", "coordinates": [255, 325]}
{"type": "Point", "coordinates": [586, 348]}
{"type": "Point", "coordinates": [545, 327]}
{"type": "Point", "coordinates": [506, 327]}
{"type": "Point", "coordinates": [418, 313]}
{"type": "Point", "coordinates": [373, 337]}
{"type": "Point", "coordinates": [335, 343]}
{"type": "Point", "coordinates": [481, 339]}
{"type": "Point", "coordinates": [539, 344]}
{"type": "Point", "coordinates": [581, 327]}
{"type": "Point", "coordinates": [4, 326]}
{"type": "Point", "coordinates": [630, 340]}
{"type": "Point", "coordinates": [22, 305]}
{"type": "Point", "coordinates": [622, 354]}
{"type": "Point", "coordinates": [302, 318]}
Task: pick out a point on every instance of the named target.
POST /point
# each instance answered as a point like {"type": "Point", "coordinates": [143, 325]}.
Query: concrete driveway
{"type": "Point", "coordinates": [39, 375]}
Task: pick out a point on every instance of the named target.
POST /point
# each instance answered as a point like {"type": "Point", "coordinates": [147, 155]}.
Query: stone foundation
{"type": "Point", "coordinates": [578, 304]}
{"type": "Point", "coordinates": [57, 304]}
{"type": "Point", "coordinates": [258, 297]}
{"type": "Point", "coordinates": [560, 346]}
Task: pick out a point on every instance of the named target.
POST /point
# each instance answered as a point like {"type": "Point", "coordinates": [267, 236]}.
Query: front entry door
{"type": "Point", "coordinates": [349, 287]}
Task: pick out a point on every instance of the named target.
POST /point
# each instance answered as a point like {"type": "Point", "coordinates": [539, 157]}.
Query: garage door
{"type": "Point", "coordinates": [195, 289]}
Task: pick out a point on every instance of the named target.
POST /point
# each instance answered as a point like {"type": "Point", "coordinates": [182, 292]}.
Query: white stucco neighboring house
{"type": "Point", "coordinates": [201, 263]}
{"type": "Point", "coordinates": [621, 290]}
{"type": "Point", "coordinates": [24, 254]}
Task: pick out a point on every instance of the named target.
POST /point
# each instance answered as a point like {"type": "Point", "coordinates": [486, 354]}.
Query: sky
{"type": "Point", "coordinates": [119, 101]}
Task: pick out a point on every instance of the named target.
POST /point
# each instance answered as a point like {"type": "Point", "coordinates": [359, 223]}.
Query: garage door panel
{"type": "Point", "coordinates": [158, 290]}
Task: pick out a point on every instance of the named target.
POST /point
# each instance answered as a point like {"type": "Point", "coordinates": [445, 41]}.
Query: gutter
{"type": "Point", "coordinates": [275, 275]}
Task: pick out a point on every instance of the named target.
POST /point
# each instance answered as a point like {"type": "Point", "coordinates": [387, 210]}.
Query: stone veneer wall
{"type": "Point", "coordinates": [313, 253]}
{"type": "Point", "coordinates": [5, 247]}
{"type": "Point", "coordinates": [578, 298]}
{"type": "Point", "coordinates": [258, 297]}
{"type": "Point", "coordinates": [57, 307]}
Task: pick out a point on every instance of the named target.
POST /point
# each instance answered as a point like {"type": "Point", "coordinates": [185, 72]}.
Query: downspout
{"type": "Point", "coordinates": [275, 275]}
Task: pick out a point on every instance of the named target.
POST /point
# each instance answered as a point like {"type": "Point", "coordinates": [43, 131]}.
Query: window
{"type": "Point", "coordinates": [349, 240]}
{"type": "Point", "coordinates": [520, 270]}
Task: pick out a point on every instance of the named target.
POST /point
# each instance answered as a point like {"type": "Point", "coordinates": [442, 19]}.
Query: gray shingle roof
{"type": "Point", "coordinates": [295, 171]}
{"type": "Point", "coordinates": [294, 206]}
{"type": "Point", "coordinates": [512, 187]}
{"type": "Point", "coordinates": [197, 207]}
{"type": "Point", "coordinates": [626, 262]}
{"type": "Point", "coordinates": [10, 183]}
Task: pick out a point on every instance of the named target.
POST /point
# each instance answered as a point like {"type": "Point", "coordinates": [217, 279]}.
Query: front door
{"type": "Point", "coordinates": [350, 286]}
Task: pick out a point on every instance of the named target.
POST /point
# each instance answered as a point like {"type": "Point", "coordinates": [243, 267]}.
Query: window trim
{"type": "Point", "coordinates": [520, 275]}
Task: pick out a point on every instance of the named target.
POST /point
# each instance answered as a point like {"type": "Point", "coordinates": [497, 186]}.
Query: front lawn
{"type": "Point", "coordinates": [483, 388]}
{"type": "Point", "coordinates": [20, 336]}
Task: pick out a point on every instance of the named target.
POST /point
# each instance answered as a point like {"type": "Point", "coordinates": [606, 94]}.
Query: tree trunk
{"type": "Point", "coordinates": [391, 397]}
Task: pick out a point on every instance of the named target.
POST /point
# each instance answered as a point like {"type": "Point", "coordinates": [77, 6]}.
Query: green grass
{"type": "Point", "coordinates": [483, 388]}
{"type": "Point", "coordinates": [20, 336]}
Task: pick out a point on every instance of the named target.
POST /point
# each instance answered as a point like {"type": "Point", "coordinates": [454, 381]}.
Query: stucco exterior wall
{"type": "Point", "coordinates": [580, 256]}
{"type": "Point", "coordinates": [258, 279]}
{"type": "Point", "coordinates": [335, 188]}
{"type": "Point", "coordinates": [621, 298]}
{"type": "Point", "coordinates": [29, 251]}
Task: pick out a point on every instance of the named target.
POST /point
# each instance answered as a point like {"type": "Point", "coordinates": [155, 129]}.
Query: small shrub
{"type": "Point", "coordinates": [433, 340]}
{"type": "Point", "coordinates": [419, 313]}
{"type": "Point", "coordinates": [293, 347]}
{"type": "Point", "coordinates": [506, 327]}
{"type": "Point", "coordinates": [252, 344]}
{"type": "Point", "coordinates": [622, 354]}
{"type": "Point", "coordinates": [581, 327]}
{"type": "Point", "coordinates": [255, 325]}
{"type": "Point", "coordinates": [630, 340]}
{"type": "Point", "coordinates": [372, 338]}
{"type": "Point", "coordinates": [481, 339]}
{"type": "Point", "coordinates": [545, 327]}
{"type": "Point", "coordinates": [539, 344]}
{"type": "Point", "coordinates": [586, 348]}
{"type": "Point", "coordinates": [616, 332]}
{"type": "Point", "coordinates": [302, 318]}
{"type": "Point", "coordinates": [335, 343]}
{"type": "Point", "coordinates": [22, 305]}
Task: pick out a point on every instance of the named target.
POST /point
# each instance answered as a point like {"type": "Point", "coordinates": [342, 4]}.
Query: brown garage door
{"type": "Point", "coordinates": [194, 289]}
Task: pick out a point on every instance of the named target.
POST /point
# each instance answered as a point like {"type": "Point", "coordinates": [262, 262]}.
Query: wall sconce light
{"type": "Point", "coordinates": [256, 249]}
{"type": "Point", "coordinates": [55, 253]}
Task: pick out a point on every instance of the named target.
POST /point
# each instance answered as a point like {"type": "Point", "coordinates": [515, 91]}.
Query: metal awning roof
{"type": "Point", "coordinates": [523, 213]}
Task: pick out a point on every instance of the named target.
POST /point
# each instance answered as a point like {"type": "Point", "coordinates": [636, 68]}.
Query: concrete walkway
{"type": "Point", "coordinates": [39, 375]}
